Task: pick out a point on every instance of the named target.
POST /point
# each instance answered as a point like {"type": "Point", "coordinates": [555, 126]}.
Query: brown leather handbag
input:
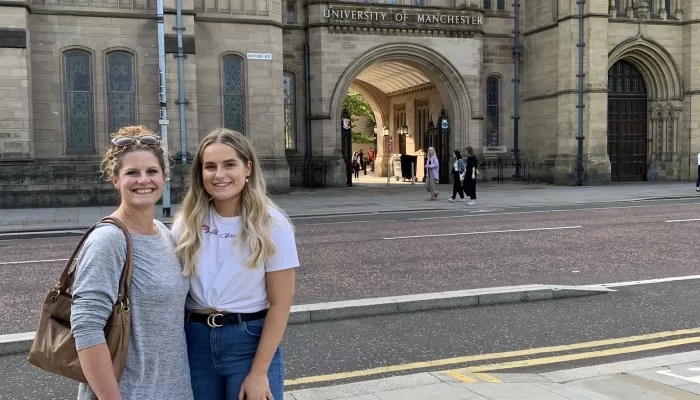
{"type": "Point", "coordinates": [54, 349]}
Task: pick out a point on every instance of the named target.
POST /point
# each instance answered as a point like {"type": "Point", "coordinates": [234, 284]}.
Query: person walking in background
{"type": "Point", "coordinates": [470, 176]}
{"type": "Point", "coordinates": [370, 159]}
{"type": "Point", "coordinates": [356, 165]}
{"type": "Point", "coordinates": [458, 172]}
{"type": "Point", "coordinates": [239, 251]}
{"type": "Point", "coordinates": [432, 173]}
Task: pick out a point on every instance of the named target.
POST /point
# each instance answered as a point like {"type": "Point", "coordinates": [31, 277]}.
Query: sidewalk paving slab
{"type": "Point", "coordinates": [642, 379]}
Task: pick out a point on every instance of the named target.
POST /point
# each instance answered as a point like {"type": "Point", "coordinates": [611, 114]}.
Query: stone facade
{"type": "Point", "coordinates": [442, 52]}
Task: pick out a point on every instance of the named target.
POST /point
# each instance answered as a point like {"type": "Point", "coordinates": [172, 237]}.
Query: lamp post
{"type": "Point", "coordinates": [388, 148]}
{"type": "Point", "coordinates": [163, 121]}
{"type": "Point", "coordinates": [580, 106]}
{"type": "Point", "coordinates": [516, 87]}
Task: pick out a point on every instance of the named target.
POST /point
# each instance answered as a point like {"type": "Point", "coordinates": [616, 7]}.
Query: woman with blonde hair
{"type": "Point", "coordinates": [156, 360]}
{"type": "Point", "coordinates": [239, 251]}
{"type": "Point", "coordinates": [432, 172]}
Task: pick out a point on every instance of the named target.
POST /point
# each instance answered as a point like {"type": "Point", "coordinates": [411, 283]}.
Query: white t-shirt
{"type": "Point", "coordinates": [698, 159]}
{"type": "Point", "coordinates": [223, 280]}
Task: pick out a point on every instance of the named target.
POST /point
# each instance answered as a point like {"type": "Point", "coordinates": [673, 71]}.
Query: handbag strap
{"type": "Point", "coordinates": [125, 280]}
{"type": "Point", "coordinates": [67, 276]}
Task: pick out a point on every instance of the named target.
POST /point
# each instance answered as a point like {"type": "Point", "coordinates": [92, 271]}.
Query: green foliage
{"type": "Point", "coordinates": [357, 106]}
{"type": "Point", "coordinates": [358, 137]}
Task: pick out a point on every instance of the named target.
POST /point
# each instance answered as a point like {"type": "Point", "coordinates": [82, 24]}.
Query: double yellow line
{"type": "Point", "coordinates": [432, 364]}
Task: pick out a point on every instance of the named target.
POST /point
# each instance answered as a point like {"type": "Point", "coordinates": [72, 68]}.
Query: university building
{"type": "Point", "coordinates": [436, 72]}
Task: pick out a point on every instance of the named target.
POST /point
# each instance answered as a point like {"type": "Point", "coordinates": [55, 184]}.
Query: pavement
{"type": "Point", "coordinates": [668, 377]}
{"type": "Point", "coordinates": [370, 195]}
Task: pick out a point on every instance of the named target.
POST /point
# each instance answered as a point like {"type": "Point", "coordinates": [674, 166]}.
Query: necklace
{"type": "Point", "coordinates": [152, 230]}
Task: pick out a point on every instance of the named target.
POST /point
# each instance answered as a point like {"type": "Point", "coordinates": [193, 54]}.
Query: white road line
{"type": "Point", "coordinates": [31, 261]}
{"type": "Point", "coordinates": [651, 281]}
{"type": "Point", "coordinates": [683, 220]}
{"type": "Point", "coordinates": [486, 232]}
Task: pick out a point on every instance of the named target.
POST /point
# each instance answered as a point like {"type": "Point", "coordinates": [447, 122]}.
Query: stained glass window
{"type": "Point", "coordinates": [391, 1]}
{"type": "Point", "coordinates": [420, 3]}
{"type": "Point", "coordinates": [493, 111]}
{"type": "Point", "coordinates": [667, 7]}
{"type": "Point", "coordinates": [487, 4]}
{"type": "Point", "coordinates": [234, 100]}
{"type": "Point", "coordinates": [120, 91]}
{"type": "Point", "coordinates": [77, 88]}
{"type": "Point", "coordinates": [501, 4]}
{"type": "Point", "coordinates": [290, 131]}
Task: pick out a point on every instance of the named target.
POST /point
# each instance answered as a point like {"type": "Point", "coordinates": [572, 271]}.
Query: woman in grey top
{"type": "Point", "coordinates": [156, 365]}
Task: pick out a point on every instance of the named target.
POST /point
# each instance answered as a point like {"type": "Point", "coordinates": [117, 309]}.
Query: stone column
{"type": "Point", "coordinates": [16, 131]}
{"type": "Point", "coordinates": [678, 12]}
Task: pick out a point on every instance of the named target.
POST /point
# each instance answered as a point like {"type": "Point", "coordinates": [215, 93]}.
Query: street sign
{"type": "Point", "coordinates": [260, 56]}
{"type": "Point", "coordinates": [163, 122]}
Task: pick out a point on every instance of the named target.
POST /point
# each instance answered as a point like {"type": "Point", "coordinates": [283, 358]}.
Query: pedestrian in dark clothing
{"type": "Point", "coordinates": [470, 176]}
{"type": "Point", "coordinates": [458, 171]}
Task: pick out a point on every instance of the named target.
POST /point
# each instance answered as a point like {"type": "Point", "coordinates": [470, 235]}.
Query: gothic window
{"type": "Point", "coordinates": [77, 88]}
{"type": "Point", "coordinates": [651, 7]}
{"type": "Point", "coordinates": [391, 1]}
{"type": "Point", "coordinates": [234, 93]}
{"type": "Point", "coordinates": [487, 4]}
{"type": "Point", "coordinates": [290, 131]}
{"type": "Point", "coordinates": [120, 90]}
{"type": "Point", "coordinates": [500, 4]}
{"type": "Point", "coordinates": [667, 6]}
{"type": "Point", "coordinates": [493, 111]}
{"type": "Point", "coordinates": [421, 113]}
{"type": "Point", "coordinates": [420, 3]}
{"type": "Point", "coordinates": [291, 12]}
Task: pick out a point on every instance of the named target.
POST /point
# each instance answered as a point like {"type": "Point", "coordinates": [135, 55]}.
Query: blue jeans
{"type": "Point", "coordinates": [220, 359]}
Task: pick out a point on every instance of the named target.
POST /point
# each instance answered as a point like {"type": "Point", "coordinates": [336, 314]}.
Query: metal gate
{"type": "Point", "coordinates": [627, 123]}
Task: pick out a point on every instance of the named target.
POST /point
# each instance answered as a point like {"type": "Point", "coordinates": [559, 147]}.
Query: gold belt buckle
{"type": "Point", "coordinates": [211, 320]}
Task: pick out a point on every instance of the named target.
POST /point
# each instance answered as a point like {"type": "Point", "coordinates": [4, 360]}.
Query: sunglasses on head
{"type": "Point", "coordinates": [127, 140]}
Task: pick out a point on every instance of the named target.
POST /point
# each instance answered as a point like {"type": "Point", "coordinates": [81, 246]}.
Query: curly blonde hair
{"type": "Point", "coordinates": [112, 160]}
{"type": "Point", "coordinates": [253, 207]}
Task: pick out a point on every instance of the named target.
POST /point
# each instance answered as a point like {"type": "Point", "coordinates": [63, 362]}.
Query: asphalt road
{"type": "Point", "coordinates": [364, 259]}
{"type": "Point", "coordinates": [318, 349]}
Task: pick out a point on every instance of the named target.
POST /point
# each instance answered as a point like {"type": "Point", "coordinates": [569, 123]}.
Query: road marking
{"type": "Point", "coordinates": [651, 281]}
{"type": "Point", "coordinates": [31, 261]}
{"type": "Point", "coordinates": [481, 357]}
{"type": "Point", "coordinates": [694, 379]}
{"type": "Point", "coordinates": [462, 377]}
{"type": "Point", "coordinates": [486, 377]}
{"type": "Point", "coordinates": [485, 232]}
{"type": "Point", "coordinates": [581, 356]}
{"type": "Point", "coordinates": [683, 220]}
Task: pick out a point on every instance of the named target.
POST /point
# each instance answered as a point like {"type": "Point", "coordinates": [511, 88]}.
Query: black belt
{"type": "Point", "coordinates": [216, 320]}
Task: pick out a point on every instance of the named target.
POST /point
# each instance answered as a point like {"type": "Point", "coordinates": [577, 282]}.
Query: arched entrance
{"type": "Point", "coordinates": [627, 123]}
{"type": "Point", "coordinates": [401, 79]}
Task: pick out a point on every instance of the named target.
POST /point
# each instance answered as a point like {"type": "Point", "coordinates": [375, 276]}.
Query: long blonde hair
{"type": "Point", "coordinates": [255, 217]}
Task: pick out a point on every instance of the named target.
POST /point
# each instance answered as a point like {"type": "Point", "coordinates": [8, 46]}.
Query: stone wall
{"type": "Point", "coordinates": [16, 130]}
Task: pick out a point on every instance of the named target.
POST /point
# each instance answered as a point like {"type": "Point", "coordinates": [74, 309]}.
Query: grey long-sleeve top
{"type": "Point", "coordinates": [156, 365]}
